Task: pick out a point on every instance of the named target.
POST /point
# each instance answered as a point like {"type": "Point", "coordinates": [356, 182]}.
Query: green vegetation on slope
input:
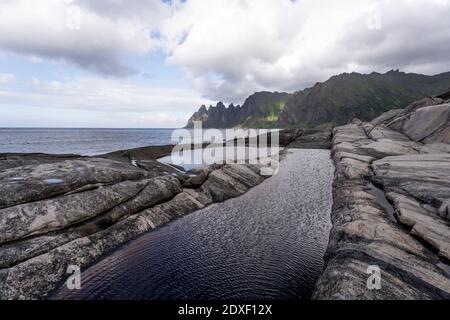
{"type": "Point", "coordinates": [333, 102]}
{"type": "Point", "coordinates": [347, 96]}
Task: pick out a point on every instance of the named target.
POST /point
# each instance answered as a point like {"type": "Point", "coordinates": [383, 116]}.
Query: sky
{"type": "Point", "coordinates": [152, 63]}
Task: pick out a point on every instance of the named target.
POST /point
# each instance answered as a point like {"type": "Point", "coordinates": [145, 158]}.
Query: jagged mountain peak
{"type": "Point", "coordinates": [333, 102]}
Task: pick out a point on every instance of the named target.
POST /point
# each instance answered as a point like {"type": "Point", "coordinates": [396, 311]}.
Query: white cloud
{"type": "Point", "coordinates": [78, 32]}
{"type": "Point", "coordinates": [120, 100]}
{"type": "Point", "coordinates": [231, 48]}
{"type": "Point", "coordinates": [7, 78]}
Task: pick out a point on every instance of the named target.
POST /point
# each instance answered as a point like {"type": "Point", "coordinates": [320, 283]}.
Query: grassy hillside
{"type": "Point", "coordinates": [347, 96]}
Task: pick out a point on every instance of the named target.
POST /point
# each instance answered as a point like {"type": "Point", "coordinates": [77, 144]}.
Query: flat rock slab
{"type": "Point", "coordinates": [36, 182]}
{"type": "Point", "coordinates": [12, 160]}
{"type": "Point", "coordinates": [423, 176]}
{"type": "Point", "coordinates": [426, 124]}
{"type": "Point", "coordinates": [424, 222]}
{"type": "Point", "coordinates": [380, 133]}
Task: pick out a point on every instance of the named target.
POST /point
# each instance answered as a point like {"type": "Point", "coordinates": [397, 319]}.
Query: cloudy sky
{"type": "Point", "coordinates": [151, 63]}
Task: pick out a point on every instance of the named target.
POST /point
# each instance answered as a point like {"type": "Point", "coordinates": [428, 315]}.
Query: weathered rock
{"type": "Point", "coordinates": [86, 222]}
{"type": "Point", "coordinates": [444, 209]}
{"type": "Point", "coordinates": [13, 160]}
{"type": "Point", "coordinates": [345, 279]}
{"type": "Point", "coordinates": [435, 148]}
{"type": "Point", "coordinates": [348, 133]}
{"type": "Point", "coordinates": [220, 187]}
{"type": "Point", "coordinates": [361, 237]}
{"type": "Point", "coordinates": [48, 215]}
{"type": "Point", "coordinates": [380, 133]}
{"type": "Point", "coordinates": [287, 136]}
{"type": "Point", "coordinates": [351, 168]}
{"type": "Point", "coordinates": [424, 176]}
{"type": "Point", "coordinates": [398, 121]}
{"type": "Point", "coordinates": [313, 139]}
{"type": "Point", "coordinates": [387, 116]}
{"type": "Point", "coordinates": [36, 277]}
{"type": "Point", "coordinates": [424, 222]}
{"type": "Point", "coordinates": [196, 177]}
{"type": "Point", "coordinates": [403, 276]}
{"type": "Point", "coordinates": [36, 182]}
{"type": "Point", "coordinates": [426, 124]}
{"type": "Point", "coordinates": [156, 168]}
{"type": "Point", "coordinates": [364, 234]}
{"type": "Point", "coordinates": [154, 191]}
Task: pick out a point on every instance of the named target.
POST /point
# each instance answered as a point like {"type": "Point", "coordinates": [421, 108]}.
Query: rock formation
{"type": "Point", "coordinates": [403, 228]}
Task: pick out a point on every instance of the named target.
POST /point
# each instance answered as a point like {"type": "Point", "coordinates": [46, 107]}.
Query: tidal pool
{"type": "Point", "coordinates": [267, 244]}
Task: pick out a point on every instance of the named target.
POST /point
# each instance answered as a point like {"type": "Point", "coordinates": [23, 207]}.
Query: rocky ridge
{"type": "Point", "coordinates": [330, 103]}
{"type": "Point", "coordinates": [260, 110]}
{"type": "Point", "coordinates": [391, 198]}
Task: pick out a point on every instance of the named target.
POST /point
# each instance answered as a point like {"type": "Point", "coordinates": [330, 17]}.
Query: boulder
{"type": "Point", "coordinates": [426, 124]}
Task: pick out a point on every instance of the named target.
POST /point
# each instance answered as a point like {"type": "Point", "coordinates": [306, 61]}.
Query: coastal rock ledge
{"type": "Point", "coordinates": [391, 202]}
{"type": "Point", "coordinates": [60, 211]}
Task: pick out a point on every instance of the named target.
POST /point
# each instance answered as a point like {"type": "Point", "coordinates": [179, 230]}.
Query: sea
{"type": "Point", "coordinates": [91, 142]}
{"type": "Point", "coordinates": [86, 142]}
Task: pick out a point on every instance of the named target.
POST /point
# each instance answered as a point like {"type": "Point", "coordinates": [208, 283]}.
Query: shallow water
{"type": "Point", "coordinates": [199, 158]}
{"type": "Point", "coordinates": [266, 244]}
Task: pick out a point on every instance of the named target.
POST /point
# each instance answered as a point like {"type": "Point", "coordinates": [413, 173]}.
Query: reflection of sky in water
{"type": "Point", "coordinates": [53, 181]}
{"type": "Point", "coordinates": [198, 158]}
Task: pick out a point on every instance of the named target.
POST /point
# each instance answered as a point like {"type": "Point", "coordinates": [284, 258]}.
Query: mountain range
{"type": "Point", "coordinates": [333, 102]}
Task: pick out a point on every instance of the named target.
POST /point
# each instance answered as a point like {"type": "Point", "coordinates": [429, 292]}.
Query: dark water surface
{"type": "Point", "coordinates": [266, 244]}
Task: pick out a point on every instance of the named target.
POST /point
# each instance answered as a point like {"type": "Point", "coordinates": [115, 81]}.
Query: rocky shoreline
{"type": "Point", "coordinates": [391, 202]}
{"type": "Point", "coordinates": [399, 163]}
{"type": "Point", "coordinates": [61, 210]}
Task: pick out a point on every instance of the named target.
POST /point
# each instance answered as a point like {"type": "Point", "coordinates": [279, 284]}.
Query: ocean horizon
{"type": "Point", "coordinates": [81, 141]}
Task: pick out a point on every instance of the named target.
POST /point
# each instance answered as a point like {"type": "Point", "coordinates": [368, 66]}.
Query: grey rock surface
{"type": "Point", "coordinates": [403, 153]}
{"type": "Point", "coordinates": [74, 211]}
{"type": "Point", "coordinates": [29, 183]}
